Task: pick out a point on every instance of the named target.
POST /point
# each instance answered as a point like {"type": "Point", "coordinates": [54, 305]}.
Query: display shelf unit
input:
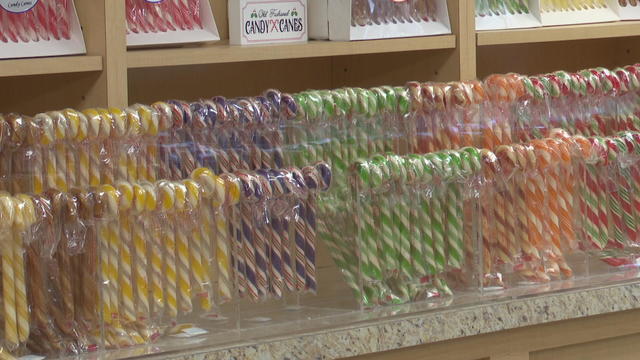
{"type": "Point", "coordinates": [123, 77]}
{"type": "Point", "coordinates": [111, 75]}
{"type": "Point", "coordinates": [222, 52]}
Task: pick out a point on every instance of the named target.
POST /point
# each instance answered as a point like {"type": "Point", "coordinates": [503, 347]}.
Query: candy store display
{"type": "Point", "coordinates": [39, 28]}
{"type": "Point", "coordinates": [378, 19]}
{"type": "Point", "coordinates": [169, 21]}
{"type": "Point", "coordinates": [154, 223]}
{"type": "Point", "coordinates": [494, 15]}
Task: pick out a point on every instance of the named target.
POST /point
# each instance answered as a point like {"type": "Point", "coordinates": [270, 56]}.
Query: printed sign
{"type": "Point", "coordinates": [18, 6]}
{"type": "Point", "coordinates": [264, 21]}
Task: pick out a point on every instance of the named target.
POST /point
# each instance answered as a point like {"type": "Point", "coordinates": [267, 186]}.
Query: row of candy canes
{"type": "Point", "coordinates": [568, 195]}
{"type": "Point", "coordinates": [47, 20]}
{"type": "Point", "coordinates": [339, 126]}
{"type": "Point", "coordinates": [159, 250]}
{"type": "Point", "coordinates": [507, 108]}
{"type": "Point", "coordinates": [162, 16]}
{"type": "Point", "coordinates": [413, 221]}
{"type": "Point", "coordinates": [380, 12]}
{"type": "Point", "coordinates": [571, 5]}
{"type": "Point", "coordinates": [501, 7]}
{"type": "Point", "coordinates": [276, 254]}
{"type": "Point", "coordinates": [18, 215]}
{"type": "Point", "coordinates": [168, 139]}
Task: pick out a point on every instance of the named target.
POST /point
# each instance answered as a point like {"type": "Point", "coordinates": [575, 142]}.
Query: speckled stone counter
{"type": "Point", "coordinates": [371, 332]}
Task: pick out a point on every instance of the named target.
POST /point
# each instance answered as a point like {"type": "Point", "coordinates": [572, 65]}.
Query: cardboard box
{"type": "Point", "coordinates": [73, 46]}
{"type": "Point", "coordinates": [253, 22]}
{"type": "Point", "coordinates": [625, 12]}
{"type": "Point", "coordinates": [209, 32]}
{"type": "Point", "coordinates": [331, 19]}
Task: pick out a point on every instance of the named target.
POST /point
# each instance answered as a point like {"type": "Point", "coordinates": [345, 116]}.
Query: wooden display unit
{"type": "Point", "coordinates": [111, 75]}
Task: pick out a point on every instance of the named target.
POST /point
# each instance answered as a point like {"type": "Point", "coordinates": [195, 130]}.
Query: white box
{"type": "Point", "coordinates": [332, 19]}
{"type": "Point", "coordinates": [509, 21]}
{"type": "Point", "coordinates": [627, 12]}
{"type": "Point", "coordinates": [253, 22]}
{"type": "Point", "coordinates": [209, 32]}
{"type": "Point", "coordinates": [73, 46]}
{"type": "Point", "coordinates": [319, 19]}
{"type": "Point", "coordinates": [553, 18]}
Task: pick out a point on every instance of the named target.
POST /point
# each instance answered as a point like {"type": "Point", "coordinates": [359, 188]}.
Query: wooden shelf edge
{"type": "Point", "coordinates": [50, 65]}
{"type": "Point", "coordinates": [559, 33]}
{"type": "Point", "coordinates": [222, 52]}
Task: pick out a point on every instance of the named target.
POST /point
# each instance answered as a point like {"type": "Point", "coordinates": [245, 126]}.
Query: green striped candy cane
{"type": "Point", "coordinates": [424, 184]}
{"type": "Point", "coordinates": [379, 131]}
{"type": "Point", "coordinates": [438, 219]}
{"type": "Point", "coordinates": [367, 176]}
{"type": "Point", "coordinates": [401, 219]}
{"type": "Point", "coordinates": [409, 196]}
{"type": "Point", "coordinates": [311, 153]}
{"type": "Point", "coordinates": [453, 208]}
{"type": "Point", "coordinates": [387, 235]}
{"type": "Point", "coordinates": [340, 152]}
{"type": "Point", "coordinates": [408, 141]}
{"type": "Point", "coordinates": [438, 216]}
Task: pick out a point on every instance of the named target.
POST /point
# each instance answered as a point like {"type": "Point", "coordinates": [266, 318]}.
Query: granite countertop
{"type": "Point", "coordinates": [371, 332]}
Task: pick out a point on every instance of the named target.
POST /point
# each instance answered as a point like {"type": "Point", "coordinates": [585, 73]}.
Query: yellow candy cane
{"type": "Point", "coordinates": [81, 144]}
{"type": "Point", "coordinates": [166, 194]}
{"type": "Point", "coordinates": [155, 253]}
{"type": "Point", "coordinates": [94, 169]}
{"type": "Point", "coordinates": [213, 199]}
{"type": "Point", "coordinates": [7, 211]}
{"type": "Point", "coordinates": [140, 251]}
{"type": "Point", "coordinates": [182, 249]}
{"type": "Point", "coordinates": [60, 125]}
{"type": "Point", "coordinates": [198, 249]}
{"type": "Point", "coordinates": [107, 174]}
{"type": "Point", "coordinates": [73, 123]}
{"type": "Point", "coordinates": [133, 135]}
{"type": "Point", "coordinates": [120, 126]}
{"type": "Point", "coordinates": [47, 129]}
{"type": "Point", "coordinates": [126, 277]}
{"type": "Point", "coordinates": [24, 217]}
{"type": "Point", "coordinates": [149, 120]}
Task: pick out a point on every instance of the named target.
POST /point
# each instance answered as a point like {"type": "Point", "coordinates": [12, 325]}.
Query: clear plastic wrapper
{"type": "Point", "coordinates": [163, 16]}
{"type": "Point", "coordinates": [501, 7]}
{"type": "Point", "coordinates": [378, 12]}
{"type": "Point", "coordinates": [44, 21]}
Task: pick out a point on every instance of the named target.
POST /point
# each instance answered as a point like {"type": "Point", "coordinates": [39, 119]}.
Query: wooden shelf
{"type": "Point", "coordinates": [50, 65]}
{"type": "Point", "coordinates": [559, 33]}
{"type": "Point", "coordinates": [222, 52]}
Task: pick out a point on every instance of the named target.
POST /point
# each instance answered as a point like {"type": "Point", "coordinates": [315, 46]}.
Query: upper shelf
{"type": "Point", "coordinates": [50, 65]}
{"type": "Point", "coordinates": [559, 33]}
{"type": "Point", "coordinates": [222, 52]}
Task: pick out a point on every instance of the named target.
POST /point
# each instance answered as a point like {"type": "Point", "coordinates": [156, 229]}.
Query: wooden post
{"type": "Point", "coordinates": [103, 23]}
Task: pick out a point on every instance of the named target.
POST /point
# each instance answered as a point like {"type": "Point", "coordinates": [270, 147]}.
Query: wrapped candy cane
{"type": "Point", "coordinates": [163, 16]}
